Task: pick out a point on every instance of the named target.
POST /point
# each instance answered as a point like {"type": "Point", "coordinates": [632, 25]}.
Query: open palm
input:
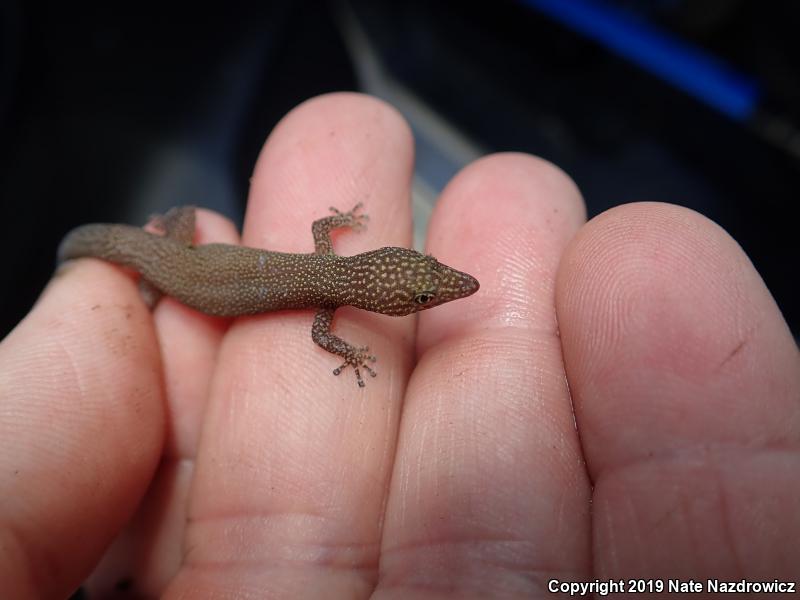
{"type": "Point", "coordinates": [620, 400]}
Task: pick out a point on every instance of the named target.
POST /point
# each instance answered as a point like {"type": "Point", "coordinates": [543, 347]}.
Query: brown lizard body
{"type": "Point", "coordinates": [228, 280]}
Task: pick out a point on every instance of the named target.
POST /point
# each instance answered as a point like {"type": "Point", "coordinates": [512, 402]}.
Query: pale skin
{"type": "Point", "coordinates": [173, 454]}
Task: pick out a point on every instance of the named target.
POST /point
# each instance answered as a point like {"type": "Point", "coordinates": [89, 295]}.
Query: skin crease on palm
{"type": "Point", "coordinates": [621, 399]}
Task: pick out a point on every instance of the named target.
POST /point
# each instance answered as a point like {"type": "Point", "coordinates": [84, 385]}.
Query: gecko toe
{"type": "Point", "coordinates": [358, 363]}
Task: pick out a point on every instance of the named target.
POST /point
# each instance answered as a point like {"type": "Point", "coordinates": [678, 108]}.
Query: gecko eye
{"type": "Point", "coordinates": [423, 298]}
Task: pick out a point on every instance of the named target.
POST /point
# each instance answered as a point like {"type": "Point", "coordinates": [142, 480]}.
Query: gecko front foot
{"type": "Point", "coordinates": [358, 359]}
{"type": "Point", "coordinates": [350, 219]}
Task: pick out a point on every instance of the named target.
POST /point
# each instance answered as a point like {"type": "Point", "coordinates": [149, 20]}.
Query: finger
{"type": "Point", "coordinates": [148, 553]}
{"type": "Point", "coordinates": [81, 427]}
{"type": "Point", "coordinates": [686, 382]}
{"type": "Point", "coordinates": [489, 495]}
{"type": "Point", "coordinates": [189, 342]}
{"type": "Point", "coordinates": [294, 462]}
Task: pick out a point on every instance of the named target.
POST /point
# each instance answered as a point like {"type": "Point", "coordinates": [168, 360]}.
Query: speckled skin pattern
{"type": "Point", "coordinates": [226, 280]}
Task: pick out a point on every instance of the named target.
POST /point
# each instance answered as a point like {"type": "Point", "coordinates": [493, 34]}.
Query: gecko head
{"type": "Point", "coordinates": [399, 281]}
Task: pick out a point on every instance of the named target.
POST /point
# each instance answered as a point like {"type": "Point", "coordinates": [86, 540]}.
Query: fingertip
{"type": "Point", "coordinates": [657, 301]}
{"type": "Point", "coordinates": [82, 419]}
{"type": "Point", "coordinates": [493, 193]}
{"type": "Point", "coordinates": [215, 228]}
{"type": "Point", "coordinates": [333, 150]}
{"type": "Point", "coordinates": [505, 220]}
{"type": "Point", "coordinates": [684, 379]}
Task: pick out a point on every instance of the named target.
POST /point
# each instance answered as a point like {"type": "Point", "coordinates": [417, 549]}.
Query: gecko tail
{"type": "Point", "coordinates": [122, 244]}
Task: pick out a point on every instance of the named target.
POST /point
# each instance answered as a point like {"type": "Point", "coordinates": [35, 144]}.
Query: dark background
{"type": "Point", "coordinates": [114, 114]}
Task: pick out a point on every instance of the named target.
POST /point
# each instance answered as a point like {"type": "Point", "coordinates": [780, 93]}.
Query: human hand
{"type": "Point", "coordinates": [171, 454]}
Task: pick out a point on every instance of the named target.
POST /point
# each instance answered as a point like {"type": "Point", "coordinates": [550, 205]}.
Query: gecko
{"type": "Point", "coordinates": [229, 280]}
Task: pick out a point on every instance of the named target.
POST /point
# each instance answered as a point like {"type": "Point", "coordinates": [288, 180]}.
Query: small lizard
{"type": "Point", "coordinates": [229, 281]}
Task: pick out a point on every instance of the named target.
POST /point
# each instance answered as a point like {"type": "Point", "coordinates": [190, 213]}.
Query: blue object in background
{"type": "Point", "coordinates": [691, 69]}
